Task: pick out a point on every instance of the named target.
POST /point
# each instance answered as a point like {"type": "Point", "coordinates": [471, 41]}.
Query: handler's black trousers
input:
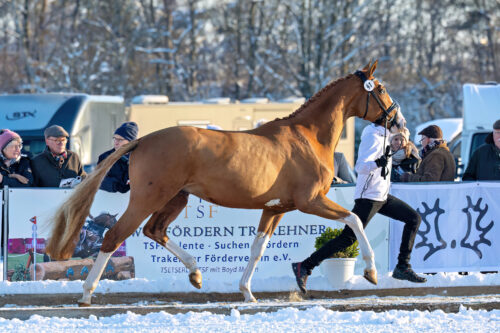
{"type": "Point", "coordinates": [365, 209]}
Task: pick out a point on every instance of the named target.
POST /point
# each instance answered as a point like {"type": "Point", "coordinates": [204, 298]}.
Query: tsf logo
{"type": "Point", "coordinates": [17, 115]}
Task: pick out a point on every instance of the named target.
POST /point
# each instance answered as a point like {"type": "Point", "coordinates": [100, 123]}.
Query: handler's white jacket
{"type": "Point", "coordinates": [370, 184]}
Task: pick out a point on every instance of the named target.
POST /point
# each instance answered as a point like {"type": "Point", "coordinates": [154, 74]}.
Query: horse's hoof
{"type": "Point", "coordinates": [371, 276]}
{"type": "Point", "coordinates": [83, 304]}
{"type": "Point", "coordinates": [195, 279]}
{"type": "Point", "coordinates": [250, 300]}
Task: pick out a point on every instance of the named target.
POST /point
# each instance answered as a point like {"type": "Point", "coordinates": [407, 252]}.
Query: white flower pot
{"type": "Point", "coordinates": [338, 270]}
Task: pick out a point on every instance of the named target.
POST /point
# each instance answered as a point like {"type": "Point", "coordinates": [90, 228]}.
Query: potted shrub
{"type": "Point", "coordinates": [340, 266]}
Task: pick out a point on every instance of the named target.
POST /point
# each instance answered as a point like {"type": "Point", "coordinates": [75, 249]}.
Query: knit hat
{"type": "Point", "coordinates": [128, 131]}
{"type": "Point", "coordinates": [405, 134]}
{"type": "Point", "coordinates": [432, 132]}
{"type": "Point", "coordinates": [496, 125]}
{"type": "Point", "coordinates": [6, 136]}
{"type": "Point", "coordinates": [55, 131]}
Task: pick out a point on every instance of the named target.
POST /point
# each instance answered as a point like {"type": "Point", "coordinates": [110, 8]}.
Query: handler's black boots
{"type": "Point", "coordinates": [406, 273]}
{"type": "Point", "coordinates": [301, 275]}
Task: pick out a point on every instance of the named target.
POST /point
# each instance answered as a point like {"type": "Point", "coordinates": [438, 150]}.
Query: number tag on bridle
{"type": "Point", "coordinates": [369, 85]}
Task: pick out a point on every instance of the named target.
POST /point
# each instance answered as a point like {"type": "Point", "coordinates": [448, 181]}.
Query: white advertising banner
{"type": "Point", "coordinates": [460, 229]}
{"type": "Point", "coordinates": [219, 238]}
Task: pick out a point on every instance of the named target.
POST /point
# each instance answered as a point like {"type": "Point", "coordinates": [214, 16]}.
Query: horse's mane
{"type": "Point", "coordinates": [315, 97]}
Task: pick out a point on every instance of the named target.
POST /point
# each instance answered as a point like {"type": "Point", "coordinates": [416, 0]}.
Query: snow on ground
{"type": "Point", "coordinates": [317, 319]}
{"type": "Point", "coordinates": [284, 283]}
{"type": "Point", "coordinates": [288, 319]}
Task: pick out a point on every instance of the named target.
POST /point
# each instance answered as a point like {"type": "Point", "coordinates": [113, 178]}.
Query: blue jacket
{"type": "Point", "coordinates": [117, 178]}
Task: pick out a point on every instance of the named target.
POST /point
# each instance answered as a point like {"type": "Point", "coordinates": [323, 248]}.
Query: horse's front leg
{"type": "Point", "coordinates": [353, 221]}
{"type": "Point", "coordinates": [268, 223]}
{"type": "Point", "coordinates": [324, 207]}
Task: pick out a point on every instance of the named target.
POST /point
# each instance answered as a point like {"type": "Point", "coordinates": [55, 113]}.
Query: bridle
{"type": "Point", "coordinates": [385, 117]}
{"type": "Point", "coordinates": [369, 85]}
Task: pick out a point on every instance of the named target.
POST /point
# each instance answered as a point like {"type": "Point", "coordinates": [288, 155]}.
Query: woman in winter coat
{"type": "Point", "coordinates": [405, 157]}
{"type": "Point", "coordinates": [15, 170]}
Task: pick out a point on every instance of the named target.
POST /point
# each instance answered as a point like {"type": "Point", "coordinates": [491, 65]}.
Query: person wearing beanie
{"type": "Point", "coordinates": [57, 166]}
{"type": "Point", "coordinates": [485, 161]}
{"type": "Point", "coordinates": [438, 164]}
{"type": "Point", "coordinates": [15, 169]}
{"type": "Point", "coordinates": [405, 157]}
{"type": "Point", "coordinates": [117, 178]}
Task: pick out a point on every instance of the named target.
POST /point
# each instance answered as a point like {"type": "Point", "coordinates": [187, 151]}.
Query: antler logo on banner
{"type": "Point", "coordinates": [467, 241]}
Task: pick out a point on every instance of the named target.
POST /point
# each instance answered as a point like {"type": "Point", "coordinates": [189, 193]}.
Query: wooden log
{"type": "Point", "coordinates": [79, 269]}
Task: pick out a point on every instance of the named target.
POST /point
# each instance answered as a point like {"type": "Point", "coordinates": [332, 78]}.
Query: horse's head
{"type": "Point", "coordinates": [106, 220]}
{"type": "Point", "coordinates": [378, 107]}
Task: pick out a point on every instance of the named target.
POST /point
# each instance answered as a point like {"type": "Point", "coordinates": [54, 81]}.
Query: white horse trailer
{"type": "Point", "coordinates": [90, 121]}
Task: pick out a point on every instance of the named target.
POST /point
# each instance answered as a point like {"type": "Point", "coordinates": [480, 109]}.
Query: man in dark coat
{"type": "Point", "coordinates": [485, 161]}
{"type": "Point", "coordinates": [438, 164]}
{"type": "Point", "coordinates": [56, 166]}
{"type": "Point", "coordinates": [117, 178]}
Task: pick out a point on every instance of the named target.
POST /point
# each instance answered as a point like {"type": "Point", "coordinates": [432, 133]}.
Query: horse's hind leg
{"type": "Point", "coordinates": [322, 206]}
{"type": "Point", "coordinates": [156, 230]}
{"type": "Point", "coordinates": [268, 223]}
{"type": "Point", "coordinates": [126, 225]}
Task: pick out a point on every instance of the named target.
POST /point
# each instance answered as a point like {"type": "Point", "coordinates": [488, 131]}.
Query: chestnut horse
{"type": "Point", "coordinates": [281, 166]}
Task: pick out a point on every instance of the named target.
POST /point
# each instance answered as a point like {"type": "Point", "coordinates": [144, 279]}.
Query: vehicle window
{"type": "Point", "coordinates": [33, 147]}
{"type": "Point", "coordinates": [477, 140]}
{"type": "Point", "coordinates": [456, 149]}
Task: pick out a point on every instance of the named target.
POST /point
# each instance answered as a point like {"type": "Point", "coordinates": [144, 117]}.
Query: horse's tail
{"type": "Point", "coordinates": [70, 217]}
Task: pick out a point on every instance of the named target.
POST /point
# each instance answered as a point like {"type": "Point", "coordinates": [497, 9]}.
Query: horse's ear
{"type": "Point", "coordinates": [372, 68]}
{"type": "Point", "coordinates": [367, 67]}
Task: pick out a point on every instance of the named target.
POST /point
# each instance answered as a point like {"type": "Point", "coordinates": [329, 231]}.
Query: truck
{"type": "Point", "coordinates": [90, 121]}
{"type": "Point", "coordinates": [481, 110]}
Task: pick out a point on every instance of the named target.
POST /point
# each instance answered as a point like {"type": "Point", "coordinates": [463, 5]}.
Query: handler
{"type": "Point", "coordinates": [371, 197]}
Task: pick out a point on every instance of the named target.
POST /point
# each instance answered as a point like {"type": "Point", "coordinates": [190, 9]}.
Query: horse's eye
{"type": "Point", "coordinates": [382, 90]}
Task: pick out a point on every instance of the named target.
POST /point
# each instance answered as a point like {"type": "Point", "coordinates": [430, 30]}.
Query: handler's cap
{"type": "Point", "coordinates": [432, 131]}
{"type": "Point", "coordinates": [55, 131]}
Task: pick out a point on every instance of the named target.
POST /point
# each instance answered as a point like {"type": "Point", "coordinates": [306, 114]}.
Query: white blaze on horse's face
{"type": "Point", "coordinates": [399, 123]}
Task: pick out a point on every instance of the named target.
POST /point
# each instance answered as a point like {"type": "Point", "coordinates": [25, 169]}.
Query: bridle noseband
{"type": "Point", "coordinates": [369, 85]}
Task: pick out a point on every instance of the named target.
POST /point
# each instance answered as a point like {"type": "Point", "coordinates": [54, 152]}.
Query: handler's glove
{"type": "Point", "coordinates": [381, 162]}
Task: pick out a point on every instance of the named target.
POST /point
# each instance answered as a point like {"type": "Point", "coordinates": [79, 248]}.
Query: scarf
{"type": "Point", "coordinates": [398, 157]}
{"type": "Point", "coordinates": [6, 160]}
{"type": "Point", "coordinates": [59, 158]}
{"type": "Point", "coordinates": [431, 146]}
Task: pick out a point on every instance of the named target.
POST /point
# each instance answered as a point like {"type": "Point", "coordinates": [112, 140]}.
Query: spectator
{"type": "Point", "coordinates": [438, 164]}
{"type": "Point", "coordinates": [405, 156]}
{"type": "Point", "coordinates": [117, 178]}
{"type": "Point", "coordinates": [343, 173]}
{"type": "Point", "coordinates": [485, 161]}
{"type": "Point", "coordinates": [56, 166]}
{"type": "Point", "coordinates": [15, 170]}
